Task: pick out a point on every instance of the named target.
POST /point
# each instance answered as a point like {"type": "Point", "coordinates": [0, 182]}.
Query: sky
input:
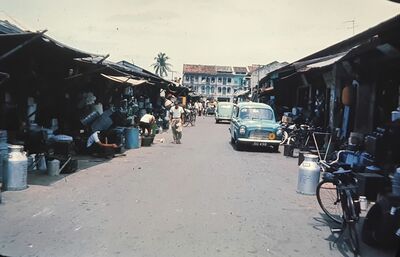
{"type": "Point", "coordinates": [216, 32]}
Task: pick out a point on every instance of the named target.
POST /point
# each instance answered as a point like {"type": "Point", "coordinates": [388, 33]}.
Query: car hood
{"type": "Point", "coordinates": [259, 124]}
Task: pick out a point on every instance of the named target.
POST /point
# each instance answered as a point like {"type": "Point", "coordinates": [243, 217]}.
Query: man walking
{"type": "Point", "coordinates": [176, 116]}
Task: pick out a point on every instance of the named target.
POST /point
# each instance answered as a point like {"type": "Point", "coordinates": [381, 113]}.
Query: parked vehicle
{"type": "Point", "coordinates": [210, 108]}
{"type": "Point", "coordinates": [254, 124]}
{"type": "Point", "coordinates": [223, 112]}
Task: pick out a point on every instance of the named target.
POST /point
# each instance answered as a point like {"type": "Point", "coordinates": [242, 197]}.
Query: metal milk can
{"type": "Point", "coordinates": [16, 169]}
{"type": "Point", "coordinates": [309, 175]}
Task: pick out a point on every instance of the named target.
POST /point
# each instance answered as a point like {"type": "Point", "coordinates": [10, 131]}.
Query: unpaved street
{"type": "Point", "coordinates": [200, 198]}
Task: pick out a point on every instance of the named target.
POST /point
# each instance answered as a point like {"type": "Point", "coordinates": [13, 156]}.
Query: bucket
{"type": "Point", "coordinates": [53, 167]}
{"type": "Point", "coordinates": [147, 141]}
{"type": "Point", "coordinates": [132, 138]}
{"type": "Point", "coordinates": [288, 150]}
{"type": "Point", "coordinates": [41, 162]}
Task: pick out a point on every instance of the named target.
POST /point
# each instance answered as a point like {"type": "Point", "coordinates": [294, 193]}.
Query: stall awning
{"type": "Point", "coordinates": [126, 80]}
{"type": "Point", "coordinates": [319, 62]}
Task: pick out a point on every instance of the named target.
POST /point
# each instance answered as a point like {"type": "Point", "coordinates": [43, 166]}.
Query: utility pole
{"type": "Point", "coordinates": [172, 75]}
{"type": "Point", "coordinates": [352, 25]}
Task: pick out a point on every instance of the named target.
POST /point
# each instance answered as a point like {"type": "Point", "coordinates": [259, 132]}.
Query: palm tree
{"type": "Point", "coordinates": [161, 66]}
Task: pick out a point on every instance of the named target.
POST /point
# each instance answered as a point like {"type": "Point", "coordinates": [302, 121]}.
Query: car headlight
{"type": "Point", "coordinates": [271, 136]}
{"type": "Point", "coordinates": [242, 130]}
{"type": "Point", "coordinates": [279, 132]}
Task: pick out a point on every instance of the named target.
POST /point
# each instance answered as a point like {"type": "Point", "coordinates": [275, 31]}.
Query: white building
{"type": "Point", "coordinates": [215, 81]}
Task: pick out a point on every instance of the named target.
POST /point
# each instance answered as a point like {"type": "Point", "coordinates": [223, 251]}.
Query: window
{"type": "Point", "coordinates": [224, 90]}
{"type": "Point", "coordinates": [213, 80]}
{"type": "Point", "coordinates": [219, 90]}
{"type": "Point", "coordinates": [219, 80]}
{"type": "Point", "coordinates": [228, 90]}
{"type": "Point", "coordinates": [203, 79]}
{"type": "Point", "coordinates": [196, 78]}
{"type": "Point", "coordinates": [208, 80]}
{"type": "Point", "coordinates": [208, 90]}
{"type": "Point", "coordinates": [256, 114]}
{"type": "Point", "coordinates": [212, 89]}
{"type": "Point", "coordinates": [203, 89]}
{"type": "Point", "coordinates": [229, 80]}
{"type": "Point", "coordinates": [187, 78]}
{"type": "Point", "coordinates": [224, 81]}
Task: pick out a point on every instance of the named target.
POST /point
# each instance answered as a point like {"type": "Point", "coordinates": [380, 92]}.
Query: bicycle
{"type": "Point", "coordinates": [337, 197]}
{"type": "Point", "coordinates": [189, 117]}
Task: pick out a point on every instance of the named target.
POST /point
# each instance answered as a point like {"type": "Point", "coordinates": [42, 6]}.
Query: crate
{"type": "Point", "coordinates": [370, 185]}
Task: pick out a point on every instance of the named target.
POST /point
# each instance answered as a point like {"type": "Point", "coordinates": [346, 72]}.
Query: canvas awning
{"type": "Point", "coordinates": [126, 80]}
{"type": "Point", "coordinates": [319, 62]}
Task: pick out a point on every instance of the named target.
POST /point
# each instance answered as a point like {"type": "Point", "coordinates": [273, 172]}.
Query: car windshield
{"type": "Point", "coordinates": [255, 114]}
{"type": "Point", "coordinates": [225, 106]}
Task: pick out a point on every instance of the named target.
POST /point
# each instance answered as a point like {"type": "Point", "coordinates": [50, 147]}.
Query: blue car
{"type": "Point", "coordinates": [254, 124]}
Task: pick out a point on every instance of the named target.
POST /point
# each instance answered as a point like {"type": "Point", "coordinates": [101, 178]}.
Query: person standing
{"type": "Point", "coordinates": [176, 116]}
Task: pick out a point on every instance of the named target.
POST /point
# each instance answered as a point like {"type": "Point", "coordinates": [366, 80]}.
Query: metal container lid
{"type": "Point", "coordinates": [311, 157]}
{"type": "Point", "coordinates": [15, 148]}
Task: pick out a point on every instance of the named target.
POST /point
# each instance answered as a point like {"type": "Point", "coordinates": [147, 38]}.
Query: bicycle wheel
{"type": "Point", "coordinates": [329, 201]}
{"type": "Point", "coordinates": [186, 121]}
{"type": "Point", "coordinates": [351, 218]}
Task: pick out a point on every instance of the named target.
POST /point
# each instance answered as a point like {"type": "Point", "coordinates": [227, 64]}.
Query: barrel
{"type": "Point", "coordinates": [16, 171]}
{"type": "Point", "coordinates": [309, 175]}
{"type": "Point", "coordinates": [3, 150]}
{"type": "Point", "coordinates": [53, 167]}
{"type": "Point", "coordinates": [132, 138]}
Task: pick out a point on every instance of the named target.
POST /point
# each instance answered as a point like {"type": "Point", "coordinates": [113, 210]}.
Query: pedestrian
{"type": "Point", "coordinates": [146, 122]}
{"type": "Point", "coordinates": [176, 117]}
{"type": "Point", "coordinates": [98, 148]}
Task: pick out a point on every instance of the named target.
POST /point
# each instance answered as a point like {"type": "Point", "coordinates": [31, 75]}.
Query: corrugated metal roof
{"type": "Point", "coordinates": [224, 69]}
{"type": "Point", "coordinates": [240, 70]}
{"type": "Point", "coordinates": [199, 69]}
{"type": "Point", "coordinates": [8, 28]}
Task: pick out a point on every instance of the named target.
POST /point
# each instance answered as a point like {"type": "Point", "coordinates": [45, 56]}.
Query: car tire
{"type": "Point", "coordinates": [238, 146]}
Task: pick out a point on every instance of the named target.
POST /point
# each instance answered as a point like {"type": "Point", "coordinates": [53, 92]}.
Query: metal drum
{"type": "Point", "coordinates": [132, 139]}
{"type": "Point", "coordinates": [3, 150]}
{"type": "Point", "coordinates": [16, 169]}
{"type": "Point", "coordinates": [309, 175]}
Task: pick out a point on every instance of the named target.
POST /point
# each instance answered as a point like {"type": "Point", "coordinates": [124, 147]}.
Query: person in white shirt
{"type": "Point", "coordinates": [176, 117]}
{"type": "Point", "coordinates": [95, 146]}
{"type": "Point", "coordinates": [146, 122]}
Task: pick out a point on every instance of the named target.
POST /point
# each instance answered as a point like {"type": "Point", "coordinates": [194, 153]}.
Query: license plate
{"type": "Point", "coordinates": [259, 144]}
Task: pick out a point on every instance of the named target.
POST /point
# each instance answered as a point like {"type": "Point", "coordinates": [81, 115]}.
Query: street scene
{"type": "Point", "coordinates": [212, 128]}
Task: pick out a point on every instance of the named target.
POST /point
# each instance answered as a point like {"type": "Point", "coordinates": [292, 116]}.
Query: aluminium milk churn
{"type": "Point", "coordinates": [309, 175]}
{"type": "Point", "coordinates": [16, 169]}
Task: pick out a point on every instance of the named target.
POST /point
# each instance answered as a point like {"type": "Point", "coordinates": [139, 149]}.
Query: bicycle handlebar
{"type": "Point", "coordinates": [329, 165]}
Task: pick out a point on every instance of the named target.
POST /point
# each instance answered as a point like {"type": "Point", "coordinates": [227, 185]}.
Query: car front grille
{"type": "Point", "coordinates": [258, 134]}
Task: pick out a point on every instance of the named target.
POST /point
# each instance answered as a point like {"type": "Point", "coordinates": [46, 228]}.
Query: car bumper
{"type": "Point", "coordinates": [258, 141]}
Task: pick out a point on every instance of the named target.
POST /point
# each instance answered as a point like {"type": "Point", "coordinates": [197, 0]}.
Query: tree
{"type": "Point", "coordinates": [161, 67]}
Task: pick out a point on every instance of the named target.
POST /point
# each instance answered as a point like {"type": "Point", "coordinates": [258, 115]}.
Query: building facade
{"type": "Point", "coordinates": [214, 81]}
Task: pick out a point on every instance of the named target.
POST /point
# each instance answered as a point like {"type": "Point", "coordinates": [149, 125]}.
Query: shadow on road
{"type": "Point", "coordinates": [340, 242]}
